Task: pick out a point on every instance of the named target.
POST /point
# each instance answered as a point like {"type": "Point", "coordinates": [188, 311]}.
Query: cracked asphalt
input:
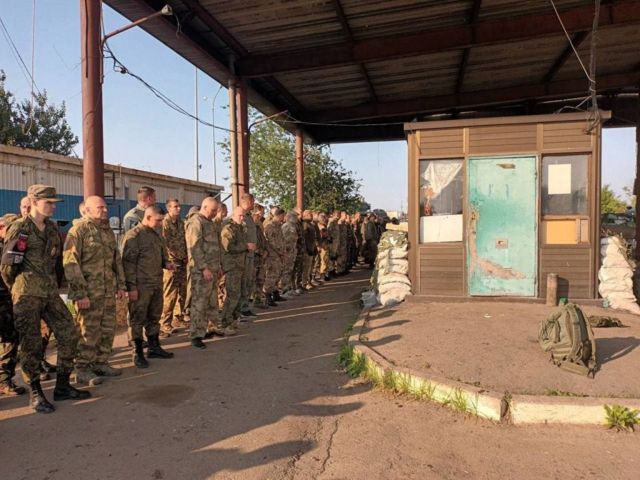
{"type": "Point", "coordinates": [272, 404]}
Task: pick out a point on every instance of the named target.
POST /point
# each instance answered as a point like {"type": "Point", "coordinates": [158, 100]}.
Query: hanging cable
{"type": "Point", "coordinates": [16, 53]}
{"type": "Point", "coordinates": [27, 128]}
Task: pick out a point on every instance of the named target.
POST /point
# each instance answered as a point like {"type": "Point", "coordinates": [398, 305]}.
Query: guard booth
{"type": "Point", "coordinates": [495, 204]}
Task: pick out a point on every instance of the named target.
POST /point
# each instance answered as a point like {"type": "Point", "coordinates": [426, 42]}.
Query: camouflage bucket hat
{"type": "Point", "coordinates": [43, 192]}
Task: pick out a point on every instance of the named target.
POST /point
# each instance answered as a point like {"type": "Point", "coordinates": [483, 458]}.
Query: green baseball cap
{"type": "Point", "coordinates": [43, 192]}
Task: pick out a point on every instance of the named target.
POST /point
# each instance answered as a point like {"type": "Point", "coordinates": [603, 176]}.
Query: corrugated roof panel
{"type": "Point", "coordinates": [506, 8]}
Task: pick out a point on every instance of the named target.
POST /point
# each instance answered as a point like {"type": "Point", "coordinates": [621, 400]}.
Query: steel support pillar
{"type": "Point", "coordinates": [233, 143]}
{"type": "Point", "coordinates": [92, 137]}
{"type": "Point", "coordinates": [636, 185]}
{"type": "Point", "coordinates": [299, 170]}
{"type": "Point", "coordinates": [242, 119]}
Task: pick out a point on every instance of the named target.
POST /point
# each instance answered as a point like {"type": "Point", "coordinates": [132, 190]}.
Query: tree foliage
{"type": "Point", "coordinates": [328, 185]}
{"type": "Point", "coordinates": [610, 202]}
{"type": "Point", "coordinates": [41, 125]}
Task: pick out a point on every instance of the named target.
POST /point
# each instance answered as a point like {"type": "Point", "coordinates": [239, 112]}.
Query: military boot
{"type": "Point", "coordinates": [85, 376]}
{"type": "Point", "coordinates": [198, 343]}
{"type": "Point", "coordinates": [155, 350]}
{"type": "Point", "coordinates": [106, 370]}
{"type": "Point", "coordinates": [138, 355]}
{"type": "Point", "coordinates": [10, 389]}
{"type": "Point", "coordinates": [37, 400]}
{"type": "Point", "coordinates": [64, 390]}
{"type": "Point", "coordinates": [277, 297]}
{"type": "Point", "coordinates": [271, 301]}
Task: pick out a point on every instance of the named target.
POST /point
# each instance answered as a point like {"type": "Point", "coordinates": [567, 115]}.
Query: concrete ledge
{"type": "Point", "coordinates": [517, 409]}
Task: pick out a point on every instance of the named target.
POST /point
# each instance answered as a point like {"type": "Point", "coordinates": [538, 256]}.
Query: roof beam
{"type": "Point", "coordinates": [488, 32]}
{"type": "Point", "coordinates": [415, 106]}
{"type": "Point", "coordinates": [566, 54]}
{"type": "Point", "coordinates": [342, 17]}
{"type": "Point", "coordinates": [473, 18]}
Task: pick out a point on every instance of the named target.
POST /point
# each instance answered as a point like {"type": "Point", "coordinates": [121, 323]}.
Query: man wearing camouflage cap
{"type": "Point", "coordinates": [28, 267]}
{"type": "Point", "coordinates": [93, 268]}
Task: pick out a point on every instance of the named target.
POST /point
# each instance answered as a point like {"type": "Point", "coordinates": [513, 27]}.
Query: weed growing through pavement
{"type": "Point", "coordinates": [458, 401]}
{"type": "Point", "coordinates": [621, 418]}
{"type": "Point", "coordinates": [552, 392]}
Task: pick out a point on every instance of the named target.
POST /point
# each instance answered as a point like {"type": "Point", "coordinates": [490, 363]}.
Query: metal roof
{"type": "Point", "coordinates": [380, 63]}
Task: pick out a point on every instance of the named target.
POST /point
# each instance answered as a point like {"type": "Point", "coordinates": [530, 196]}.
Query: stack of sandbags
{"type": "Point", "coordinates": [390, 278]}
{"type": "Point", "coordinates": [616, 275]}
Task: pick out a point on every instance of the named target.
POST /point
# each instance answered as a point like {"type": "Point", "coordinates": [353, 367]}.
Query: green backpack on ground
{"type": "Point", "coordinates": [568, 336]}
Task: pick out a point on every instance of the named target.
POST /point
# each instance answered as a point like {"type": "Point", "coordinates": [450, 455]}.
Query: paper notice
{"type": "Point", "coordinates": [559, 179]}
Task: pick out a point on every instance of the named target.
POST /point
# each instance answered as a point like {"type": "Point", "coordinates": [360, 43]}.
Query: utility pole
{"type": "Point", "coordinates": [197, 146]}
{"type": "Point", "coordinates": [233, 143]}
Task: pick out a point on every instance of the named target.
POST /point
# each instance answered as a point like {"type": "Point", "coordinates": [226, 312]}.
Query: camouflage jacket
{"type": "Point", "coordinates": [342, 226]}
{"type": "Point", "coordinates": [290, 235]}
{"type": "Point", "coordinates": [234, 245]}
{"type": "Point", "coordinates": [309, 236]}
{"type": "Point", "coordinates": [333, 229]}
{"type": "Point", "coordinates": [4, 290]}
{"type": "Point", "coordinates": [92, 262]}
{"type": "Point", "coordinates": [144, 256]}
{"type": "Point", "coordinates": [203, 244]}
{"type": "Point", "coordinates": [300, 243]}
{"type": "Point", "coordinates": [173, 232]}
{"type": "Point", "coordinates": [37, 274]}
{"type": "Point", "coordinates": [250, 226]}
{"type": "Point", "coordinates": [369, 231]}
{"type": "Point", "coordinates": [261, 244]}
{"type": "Point", "coordinates": [323, 235]}
{"type": "Point", "coordinates": [132, 218]}
{"type": "Point", "coordinates": [274, 237]}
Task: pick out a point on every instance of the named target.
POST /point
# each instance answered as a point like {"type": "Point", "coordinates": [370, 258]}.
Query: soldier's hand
{"type": "Point", "coordinates": [133, 295]}
{"type": "Point", "coordinates": [251, 247]}
{"type": "Point", "coordinates": [207, 274]}
{"type": "Point", "coordinates": [120, 294]}
{"type": "Point", "coordinates": [83, 303]}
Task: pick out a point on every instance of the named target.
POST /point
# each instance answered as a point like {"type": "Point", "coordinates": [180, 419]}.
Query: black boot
{"type": "Point", "coordinates": [138, 355]}
{"type": "Point", "coordinates": [277, 297]}
{"type": "Point", "coordinates": [64, 390]}
{"type": "Point", "coordinates": [155, 350]}
{"type": "Point", "coordinates": [37, 399]}
{"type": "Point", "coordinates": [198, 343]}
{"type": "Point", "coordinates": [270, 301]}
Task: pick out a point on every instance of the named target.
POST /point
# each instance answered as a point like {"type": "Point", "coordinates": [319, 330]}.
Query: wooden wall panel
{"type": "Point", "coordinates": [445, 143]}
{"type": "Point", "coordinates": [566, 136]}
{"type": "Point", "coordinates": [574, 269]}
{"type": "Point", "coordinates": [503, 139]}
{"type": "Point", "coordinates": [442, 269]}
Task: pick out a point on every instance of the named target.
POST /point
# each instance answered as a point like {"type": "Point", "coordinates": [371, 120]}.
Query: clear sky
{"type": "Point", "coordinates": [141, 132]}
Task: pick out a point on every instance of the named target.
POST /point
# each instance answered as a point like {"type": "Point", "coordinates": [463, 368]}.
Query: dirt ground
{"type": "Point", "coordinates": [495, 346]}
{"type": "Point", "coordinates": [271, 404]}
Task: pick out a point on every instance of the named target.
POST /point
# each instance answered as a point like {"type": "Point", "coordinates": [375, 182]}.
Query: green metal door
{"type": "Point", "coordinates": [501, 226]}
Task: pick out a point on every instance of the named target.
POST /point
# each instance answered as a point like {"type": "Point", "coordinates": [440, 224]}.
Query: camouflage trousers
{"type": "Point", "coordinates": [324, 261]}
{"type": "Point", "coordinates": [298, 270]}
{"type": "Point", "coordinates": [288, 264]}
{"type": "Point", "coordinates": [273, 273]}
{"type": "Point", "coordinates": [231, 306]}
{"type": "Point", "coordinates": [258, 286]}
{"type": "Point", "coordinates": [97, 328]}
{"type": "Point", "coordinates": [307, 268]}
{"type": "Point", "coordinates": [144, 313]}
{"type": "Point", "coordinates": [28, 310]}
{"type": "Point", "coordinates": [9, 337]}
{"type": "Point", "coordinates": [204, 304]}
{"type": "Point", "coordinates": [174, 291]}
{"type": "Point", "coordinates": [341, 260]}
{"type": "Point", "coordinates": [248, 280]}
{"type": "Point", "coordinates": [221, 289]}
{"type": "Point", "coordinates": [371, 251]}
{"type": "Point", "coordinates": [187, 298]}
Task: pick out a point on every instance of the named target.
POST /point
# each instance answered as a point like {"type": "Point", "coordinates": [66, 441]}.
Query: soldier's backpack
{"type": "Point", "coordinates": [568, 337]}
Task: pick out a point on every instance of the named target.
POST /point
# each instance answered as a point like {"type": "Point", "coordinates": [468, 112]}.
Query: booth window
{"type": "Point", "coordinates": [565, 207]}
{"type": "Point", "coordinates": [441, 191]}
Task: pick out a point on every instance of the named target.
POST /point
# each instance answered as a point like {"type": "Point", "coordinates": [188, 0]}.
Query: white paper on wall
{"type": "Point", "coordinates": [559, 179]}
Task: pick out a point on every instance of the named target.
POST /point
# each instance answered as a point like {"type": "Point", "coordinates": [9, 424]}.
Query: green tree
{"type": "Point", "coordinates": [610, 202]}
{"type": "Point", "coordinates": [38, 124]}
{"type": "Point", "coordinates": [328, 185]}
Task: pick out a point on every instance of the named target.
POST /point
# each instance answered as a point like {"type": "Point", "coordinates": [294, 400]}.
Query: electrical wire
{"type": "Point", "coordinates": [16, 53]}
{"type": "Point", "coordinates": [27, 128]}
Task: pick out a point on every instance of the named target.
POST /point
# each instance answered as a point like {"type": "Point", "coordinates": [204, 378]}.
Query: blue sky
{"type": "Point", "coordinates": [141, 132]}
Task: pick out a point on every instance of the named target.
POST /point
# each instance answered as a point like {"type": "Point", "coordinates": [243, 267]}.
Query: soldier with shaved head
{"type": "Point", "coordinates": [93, 268]}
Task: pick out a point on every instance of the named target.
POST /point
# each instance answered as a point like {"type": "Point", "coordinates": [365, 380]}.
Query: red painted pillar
{"type": "Point", "coordinates": [636, 186]}
{"type": "Point", "coordinates": [92, 139]}
{"type": "Point", "coordinates": [243, 137]}
{"type": "Point", "coordinates": [299, 170]}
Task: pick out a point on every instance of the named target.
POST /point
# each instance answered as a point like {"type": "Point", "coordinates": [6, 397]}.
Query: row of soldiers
{"type": "Point", "coordinates": [172, 271]}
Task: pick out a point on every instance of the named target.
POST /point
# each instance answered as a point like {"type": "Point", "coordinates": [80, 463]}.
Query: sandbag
{"type": "Point", "coordinates": [614, 274]}
{"type": "Point", "coordinates": [393, 286]}
{"type": "Point", "coordinates": [393, 297]}
{"type": "Point", "coordinates": [392, 278]}
{"type": "Point", "coordinates": [398, 253]}
{"type": "Point", "coordinates": [615, 261]}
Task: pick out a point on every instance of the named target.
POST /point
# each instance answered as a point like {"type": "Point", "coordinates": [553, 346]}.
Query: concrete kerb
{"type": "Point", "coordinates": [507, 408]}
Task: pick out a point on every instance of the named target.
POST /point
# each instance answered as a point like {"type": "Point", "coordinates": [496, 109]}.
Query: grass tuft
{"type": "Point", "coordinates": [621, 418]}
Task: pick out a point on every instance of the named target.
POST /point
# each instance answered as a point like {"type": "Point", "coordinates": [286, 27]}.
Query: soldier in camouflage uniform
{"type": "Point", "coordinates": [9, 340]}
{"type": "Point", "coordinates": [203, 247]}
{"type": "Point", "coordinates": [341, 260]}
{"type": "Point", "coordinates": [144, 256]}
{"type": "Point", "coordinates": [298, 268]}
{"type": "Point", "coordinates": [93, 268]}
{"type": "Point", "coordinates": [275, 255]}
{"type": "Point", "coordinates": [234, 248]}
{"type": "Point", "coordinates": [290, 234]}
{"type": "Point", "coordinates": [32, 249]}
{"type": "Point", "coordinates": [249, 276]}
{"type": "Point", "coordinates": [174, 281]}
{"type": "Point", "coordinates": [310, 248]}
{"type": "Point", "coordinates": [146, 197]}
{"type": "Point", "coordinates": [333, 230]}
{"type": "Point", "coordinates": [193, 211]}
{"type": "Point", "coordinates": [323, 247]}
{"type": "Point", "coordinates": [259, 297]}
{"type": "Point", "coordinates": [370, 238]}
